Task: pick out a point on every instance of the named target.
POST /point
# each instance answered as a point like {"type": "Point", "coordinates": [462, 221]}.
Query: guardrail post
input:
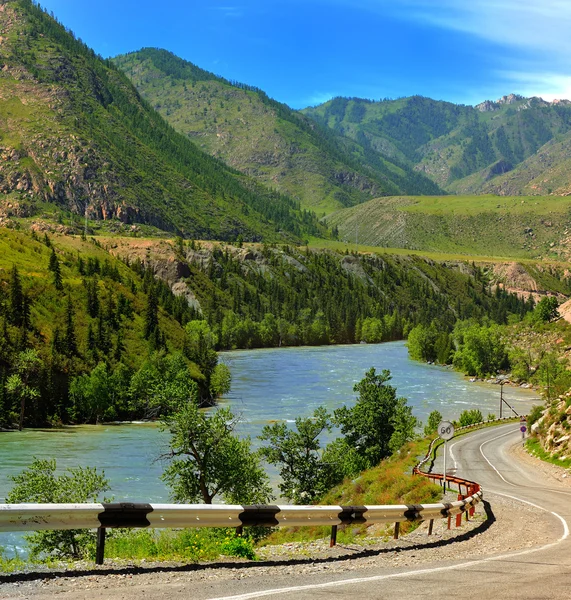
{"type": "Point", "coordinates": [430, 526]}
{"type": "Point", "coordinates": [239, 530]}
{"type": "Point", "coordinates": [459, 515]}
{"type": "Point", "coordinates": [397, 529]}
{"type": "Point", "coordinates": [333, 540]}
{"type": "Point", "coordinates": [100, 548]}
{"type": "Point", "coordinates": [449, 522]}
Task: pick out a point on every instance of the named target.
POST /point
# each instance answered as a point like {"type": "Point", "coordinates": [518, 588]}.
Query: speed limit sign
{"type": "Point", "coordinates": [445, 430]}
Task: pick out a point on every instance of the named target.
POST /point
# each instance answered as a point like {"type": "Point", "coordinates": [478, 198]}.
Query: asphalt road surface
{"type": "Point", "coordinates": [536, 573]}
{"type": "Point", "coordinates": [539, 572]}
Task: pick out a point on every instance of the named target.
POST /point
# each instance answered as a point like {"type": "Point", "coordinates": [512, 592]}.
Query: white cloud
{"type": "Point", "coordinates": [535, 34]}
{"type": "Point", "coordinates": [549, 86]}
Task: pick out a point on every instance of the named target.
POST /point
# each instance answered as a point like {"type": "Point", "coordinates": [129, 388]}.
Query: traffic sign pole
{"type": "Point", "coordinates": [445, 432]}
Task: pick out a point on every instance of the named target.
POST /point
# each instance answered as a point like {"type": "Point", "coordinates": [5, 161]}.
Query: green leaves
{"type": "Point", "coordinates": [305, 476]}
{"type": "Point", "coordinates": [209, 461]}
{"type": "Point", "coordinates": [40, 484]}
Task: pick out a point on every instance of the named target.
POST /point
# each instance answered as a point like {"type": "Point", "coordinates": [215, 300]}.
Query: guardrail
{"type": "Point", "coordinates": [103, 516]}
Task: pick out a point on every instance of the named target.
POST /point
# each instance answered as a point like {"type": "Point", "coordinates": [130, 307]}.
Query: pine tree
{"type": "Point", "coordinates": [54, 267]}
{"type": "Point", "coordinates": [152, 312]}
{"type": "Point", "coordinates": [119, 349]}
{"type": "Point", "coordinates": [70, 340]}
{"type": "Point", "coordinates": [16, 298]}
{"type": "Point", "coordinates": [92, 297]}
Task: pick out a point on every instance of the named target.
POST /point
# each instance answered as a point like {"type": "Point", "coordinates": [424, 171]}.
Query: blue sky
{"type": "Point", "coordinates": [304, 52]}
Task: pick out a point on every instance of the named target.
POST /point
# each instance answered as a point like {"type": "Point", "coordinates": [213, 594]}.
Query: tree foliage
{"type": "Point", "coordinates": [379, 423]}
{"type": "Point", "coordinates": [207, 460]}
{"type": "Point", "coordinates": [297, 454]}
{"type": "Point", "coordinates": [39, 483]}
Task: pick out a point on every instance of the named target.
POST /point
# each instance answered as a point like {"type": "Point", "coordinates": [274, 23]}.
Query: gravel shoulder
{"type": "Point", "coordinates": [495, 529]}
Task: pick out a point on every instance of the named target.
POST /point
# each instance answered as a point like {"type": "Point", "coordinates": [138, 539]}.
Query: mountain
{"type": "Point", "coordinates": [265, 139]}
{"type": "Point", "coordinates": [463, 149]}
{"type": "Point", "coordinates": [531, 227]}
{"type": "Point", "coordinates": [76, 134]}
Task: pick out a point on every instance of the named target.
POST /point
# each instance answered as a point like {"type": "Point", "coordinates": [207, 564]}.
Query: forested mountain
{"type": "Point", "coordinates": [461, 148]}
{"type": "Point", "coordinates": [268, 295]}
{"type": "Point", "coordinates": [263, 138]}
{"type": "Point", "coordinates": [76, 133]}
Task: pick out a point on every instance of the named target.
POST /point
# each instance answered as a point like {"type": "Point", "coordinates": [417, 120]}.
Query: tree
{"type": "Point", "coordinates": [482, 350]}
{"type": "Point", "coordinates": [151, 312]}
{"type": "Point", "coordinates": [296, 452]}
{"type": "Point", "coordinates": [39, 484]}
{"type": "Point", "coordinates": [17, 300]}
{"type": "Point", "coordinates": [546, 310]}
{"type": "Point", "coordinates": [54, 267]}
{"type": "Point", "coordinates": [470, 417]}
{"type": "Point", "coordinates": [220, 381]}
{"type": "Point", "coordinates": [421, 343]}
{"type": "Point", "coordinates": [70, 341]}
{"type": "Point", "coordinates": [404, 423]}
{"type": "Point", "coordinates": [369, 425]}
{"type": "Point", "coordinates": [162, 384]}
{"type": "Point", "coordinates": [208, 460]}
{"type": "Point", "coordinates": [28, 364]}
{"type": "Point", "coordinates": [94, 395]}
{"type": "Point", "coordinates": [431, 426]}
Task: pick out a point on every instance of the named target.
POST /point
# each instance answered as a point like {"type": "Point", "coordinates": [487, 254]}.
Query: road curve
{"type": "Point", "coordinates": [536, 573]}
{"type": "Point", "coordinates": [542, 571]}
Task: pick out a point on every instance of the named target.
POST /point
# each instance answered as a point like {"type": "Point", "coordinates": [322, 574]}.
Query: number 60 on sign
{"type": "Point", "coordinates": [445, 430]}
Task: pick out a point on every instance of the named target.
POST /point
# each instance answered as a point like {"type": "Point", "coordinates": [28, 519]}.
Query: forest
{"type": "Point", "coordinates": [87, 337]}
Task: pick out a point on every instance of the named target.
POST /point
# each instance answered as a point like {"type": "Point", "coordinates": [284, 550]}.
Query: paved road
{"type": "Point", "coordinates": [538, 573]}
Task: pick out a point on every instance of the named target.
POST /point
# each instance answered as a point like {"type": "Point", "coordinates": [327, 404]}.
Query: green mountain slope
{"type": "Point", "coordinates": [266, 139]}
{"type": "Point", "coordinates": [490, 226]}
{"type": "Point", "coordinates": [545, 172]}
{"type": "Point", "coordinates": [448, 142]}
{"type": "Point", "coordinates": [75, 132]}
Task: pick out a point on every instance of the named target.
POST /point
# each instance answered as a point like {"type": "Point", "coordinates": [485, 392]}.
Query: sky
{"type": "Point", "coordinates": [304, 52]}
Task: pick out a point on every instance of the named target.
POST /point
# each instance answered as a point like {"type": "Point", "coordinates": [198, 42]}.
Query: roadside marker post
{"type": "Point", "coordinates": [445, 432]}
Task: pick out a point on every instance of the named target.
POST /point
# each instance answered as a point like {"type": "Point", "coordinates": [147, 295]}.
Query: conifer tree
{"type": "Point", "coordinates": [70, 340]}
{"type": "Point", "coordinates": [16, 298]}
{"type": "Point", "coordinates": [54, 267]}
{"type": "Point", "coordinates": [152, 312]}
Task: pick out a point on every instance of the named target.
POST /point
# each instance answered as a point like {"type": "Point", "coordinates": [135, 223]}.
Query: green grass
{"type": "Point", "coordinates": [389, 483]}
{"type": "Point", "coordinates": [478, 227]}
{"type": "Point", "coordinates": [192, 545]}
{"type": "Point", "coordinates": [534, 447]}
{"type": "Point", "coordinates": [475, 205]}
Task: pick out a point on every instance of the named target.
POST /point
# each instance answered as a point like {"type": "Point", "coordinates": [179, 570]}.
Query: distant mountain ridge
{"type": "Point", "coordinates": [76, 134]}
{"type": "Point", "coordinates": [266, 139]}
{"type": "Point", "coordinates": [463, 149]}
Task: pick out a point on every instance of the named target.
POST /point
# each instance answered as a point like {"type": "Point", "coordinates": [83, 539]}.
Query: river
{"type": "Point", "coordinates": [267, 385]}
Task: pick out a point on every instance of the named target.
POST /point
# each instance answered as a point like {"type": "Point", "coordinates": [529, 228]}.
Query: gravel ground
{"type": "Point", "coordinates": [496, 528]}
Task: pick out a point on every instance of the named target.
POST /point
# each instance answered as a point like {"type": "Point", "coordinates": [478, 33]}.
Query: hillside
{"type": "Point", "coordinates": [265, 139]}
{"type": "Point", "coordinates": [116, 327]}
{"type": "Point", "coordinates": [529, 227]}
{"type": "Point", "coordinates": [463, 149]}
{"type": "Point", "coordinates": [76, 134]}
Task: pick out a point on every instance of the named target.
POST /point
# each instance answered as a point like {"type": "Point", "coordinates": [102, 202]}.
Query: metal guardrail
{"type": "Point", "coordinates": [102, 516]}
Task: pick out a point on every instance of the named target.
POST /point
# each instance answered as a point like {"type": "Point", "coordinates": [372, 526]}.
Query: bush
{"type": "Point", "coordinates": [40, 484]}
{"type": "Point", "coordinates": [470, 417]}
{"type": "Point", "coordinates": [535, 414]}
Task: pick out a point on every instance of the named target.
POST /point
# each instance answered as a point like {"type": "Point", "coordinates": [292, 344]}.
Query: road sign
{"type": "Point", "coordinates": [523, 428]}
{"type": "Point", "coordinates": [445, 430]}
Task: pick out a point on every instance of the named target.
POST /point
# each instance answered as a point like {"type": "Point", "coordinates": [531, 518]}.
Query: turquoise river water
{"type": "Point", "coordinates": [267, 385]}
